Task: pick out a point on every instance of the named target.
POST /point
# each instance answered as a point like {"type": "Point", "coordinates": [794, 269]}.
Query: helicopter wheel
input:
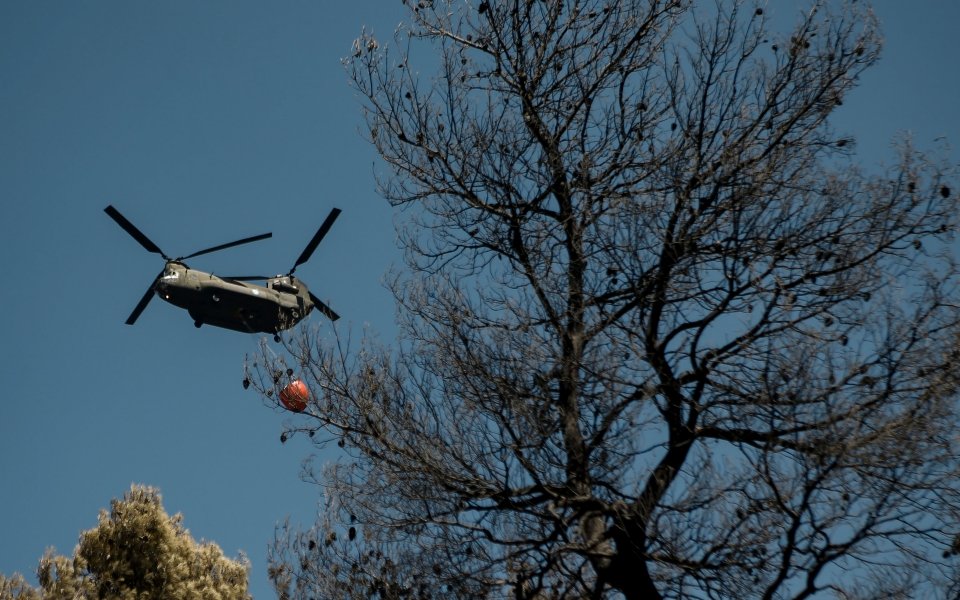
{"type": "Point", "coordinates": [197, 323]}
{"type": "Point", "coordinates": [276, 337]}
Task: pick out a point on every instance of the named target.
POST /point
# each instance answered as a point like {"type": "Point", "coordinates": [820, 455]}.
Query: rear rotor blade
{"type": "Point", "coordinates": [143, 302]}
{"type": "Point", "coordinates": [317, 237]}
{"type": "Point", "coordinates": [323, 308]}
{"type": "Point", "coordinates": [255, 238]}
{"type": "Point", "coordinates": [133, 231]}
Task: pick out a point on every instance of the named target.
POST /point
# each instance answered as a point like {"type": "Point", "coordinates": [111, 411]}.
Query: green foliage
{"type": "Point", "coordinates": [136, 552]}
{"type": "Point", "coordinates": [16, 588]}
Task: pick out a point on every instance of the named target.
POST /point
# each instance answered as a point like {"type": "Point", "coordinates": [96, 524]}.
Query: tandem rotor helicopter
{"type": "Point", "coordinates": [231, 302]}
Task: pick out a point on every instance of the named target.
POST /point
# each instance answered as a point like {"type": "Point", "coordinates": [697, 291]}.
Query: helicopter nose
{"type": "Point", "coordinates": [165, 287]}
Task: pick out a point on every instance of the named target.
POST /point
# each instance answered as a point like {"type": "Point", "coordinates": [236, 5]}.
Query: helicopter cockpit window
{"type": "Point", "coordinates": [171, 275]}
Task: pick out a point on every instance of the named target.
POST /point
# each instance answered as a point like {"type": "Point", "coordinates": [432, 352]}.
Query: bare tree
{"type": "Point", "coordinates": [661, 336]}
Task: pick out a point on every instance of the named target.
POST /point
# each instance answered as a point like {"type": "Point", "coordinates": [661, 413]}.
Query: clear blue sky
{"type": "Point", "coordinates": [204, 122]}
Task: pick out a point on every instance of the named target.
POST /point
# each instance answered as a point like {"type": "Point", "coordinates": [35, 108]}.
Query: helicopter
{"type": "Point", "coordinates": [231, 302]}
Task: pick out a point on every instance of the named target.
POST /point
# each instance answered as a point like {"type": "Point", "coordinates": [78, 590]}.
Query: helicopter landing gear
{"type": "Point", "coordinates": [276, 337]}
{"type": "Point", "coordinates": [197, 323]}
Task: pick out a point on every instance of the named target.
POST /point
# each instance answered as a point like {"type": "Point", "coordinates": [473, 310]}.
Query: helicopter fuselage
{"type": "Point", "coordinates": [232, 304]}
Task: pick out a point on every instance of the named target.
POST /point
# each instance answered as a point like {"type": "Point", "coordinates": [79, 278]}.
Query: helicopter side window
{"type": "Point", "coordinates": [283, 286]}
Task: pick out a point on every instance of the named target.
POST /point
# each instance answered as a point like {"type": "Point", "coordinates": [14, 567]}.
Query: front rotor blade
{"type": "Point", "coordinates": [317, 237]}
{"type": "Point", "coordinates": [133, 231]}
{"type": "Point", "coordinates": [255, 238]}
{"type": "Point", "coordinates": [143, 303]}
{"type": "Point", "coordinates": [323, 308]}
